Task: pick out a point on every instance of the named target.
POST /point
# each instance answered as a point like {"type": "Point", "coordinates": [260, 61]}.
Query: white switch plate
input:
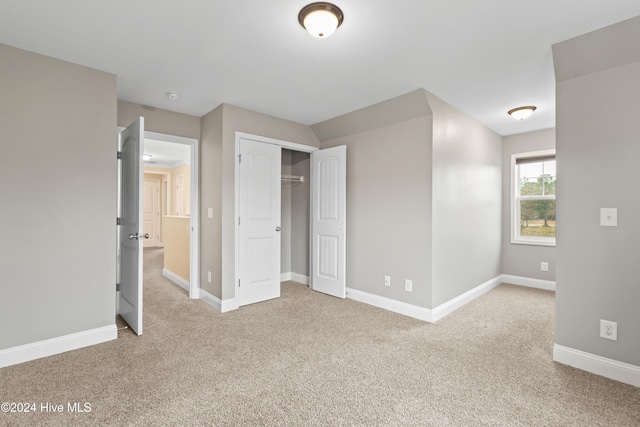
{"type": "Point", "coordinates": [544, 266]}
{"type": "Point", "coordinates": [408, 285]}
{"type": "Point", "coordinates": [387, 280]}
{"type": "Point", "coordinates": [609, 217]}
{"type": "Point", "coordinates": [210, 213]}
{"type": "Point", "coordinates": [209, 276]}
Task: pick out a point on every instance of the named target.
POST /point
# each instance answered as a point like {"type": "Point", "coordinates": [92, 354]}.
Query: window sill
{"type": "Point", "coordinates": [533, 243]}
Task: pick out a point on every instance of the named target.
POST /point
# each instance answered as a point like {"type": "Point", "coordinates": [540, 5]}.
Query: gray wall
{"type": "Point", "coordinates": [466, 202]}
{"type": "Point", "coordinates": [300, 211]}
{"type": "Point", "coordinates": [424, 198]}
{"type": "Point", "coordinates": [597, 151]}
{"type": "Point", "coordinates": [211, 197]}
{"type": "Point", "coordinates": [523, 260]}
{"type": "Point", "coordinates": [389, 209]}
{"type": "Point", "coordinates": [58, 186]}
{"type": "Point", "coordinates": [158, 120]}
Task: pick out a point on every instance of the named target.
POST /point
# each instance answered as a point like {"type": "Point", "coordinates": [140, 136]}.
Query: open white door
{"type": "Point", "coordinates": [328, 220]}
{"type": "Point", "coordinates": [131, 220]}
{"type": "Point", "coordinates": [259, 221]}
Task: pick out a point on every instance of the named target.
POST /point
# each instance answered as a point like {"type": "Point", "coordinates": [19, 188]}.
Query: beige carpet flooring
{"type": "Point", "coordinates": [308, 359]}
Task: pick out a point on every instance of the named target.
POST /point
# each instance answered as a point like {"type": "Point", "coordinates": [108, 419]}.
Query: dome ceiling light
{"type": "Point", "coordinates": [522, 113]}
{"type": "Point", "coordinates": [320, 19]}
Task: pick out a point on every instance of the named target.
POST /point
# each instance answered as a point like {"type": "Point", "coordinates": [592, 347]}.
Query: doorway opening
{"type": "Point", "coordinates": [295, 201]}
{"type": "Point", "coordinates": [149, 214]}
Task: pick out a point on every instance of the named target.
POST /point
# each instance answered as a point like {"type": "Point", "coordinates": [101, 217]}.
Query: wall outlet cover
{"type": "Point", "coordinates": [609, 330]}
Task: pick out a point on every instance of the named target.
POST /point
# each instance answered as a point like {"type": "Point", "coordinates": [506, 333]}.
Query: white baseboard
{"type": "Point", "coordinates": [422, 313]}
{"type": "Point", "coordinates": [211, 300]}
{"type": "Point", "coordinates": [183, 283]}
{"type": "Point", "coordinates": [548, 285]}
{"type": "Point", "coordinates": [221, 305]}
{"type": "Point", "coordinates": [49, 347]}
{"type": "Point", "coordinates": [400, 307]}
{"type": "Point", "coordinates": [300, 278]}
{"type": "Point", "coordinates": [229, 305]}
{"type": "Point", "coordinates": [609, 368]}
{"type": "Point", "coordinates": [452, 305]}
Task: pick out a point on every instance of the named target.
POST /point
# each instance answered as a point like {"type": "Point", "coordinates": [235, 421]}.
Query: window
{"type": "Point", "coordinates": [533, 199]}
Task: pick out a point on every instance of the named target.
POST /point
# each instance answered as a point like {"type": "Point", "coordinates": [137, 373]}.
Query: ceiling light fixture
{"type": "Point", "coordinates": [146, 157]}
{"type": "Point", "coordinates": [173, 95]}
{"type": "Point", "coordinates": [522, 113]}
{"type": "Point", "coordinates": [320, 19]}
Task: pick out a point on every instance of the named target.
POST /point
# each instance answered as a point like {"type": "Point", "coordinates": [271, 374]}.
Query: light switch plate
{"type": "Point", "coordinates": [609, 217]}
{"type": "Point", "coordinates": [210, 213]}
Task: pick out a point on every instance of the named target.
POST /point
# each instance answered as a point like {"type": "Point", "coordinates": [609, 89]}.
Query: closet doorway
{"type": "Point", "coordinates": [259, 225]}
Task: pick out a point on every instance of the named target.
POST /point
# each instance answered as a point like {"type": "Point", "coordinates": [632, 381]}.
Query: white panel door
{"type": "Point", "coordinates": [259, 222]}
{"type": "Point", "coordinates": [328, 220]}
{"type": "Point", "coordinates": [131, 234]}
{"type": "Point", "coordinates": [151, 212]}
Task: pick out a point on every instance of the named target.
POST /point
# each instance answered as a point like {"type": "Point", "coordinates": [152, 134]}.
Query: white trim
{"type": "Point", "coordinates": [229, 305]}
{"type": "Point", "coordinates": [514, 223]}
{"type": "Point", "coordinates": [422, 313]}
{"type": "Point", "coordinates": [400, 307]}
{"type": "Point", "coordinates": [285, 277]}
{"type": "Point", "coordinates": [608, 368]}
{"type": "Point", "coordinates": [452, 305]}
{"type": "Point", "coordinates": [49, 347]}
{"type": "Point", "coordinates": [221, 305]}
{"type": "Point", "coordinates": [180, 281]}
{"type": "Point", "coordinates": [547, 285]}
{"type": "Point", "coordinates": [211, 300]}
{"type": "Point", "coordinates": [295, 277]}
{"type": "Point", "coordinates": [300, 278]}
{"type": "Point", "coordinates": [284, 144]}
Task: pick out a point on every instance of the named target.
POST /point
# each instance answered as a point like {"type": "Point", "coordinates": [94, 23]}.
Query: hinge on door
{"type": "Point", "coordinates": [238, 282]}
{"type": "Point", "coordinates": [118, 221]}
{"type": "Point", "coordinates": [239, 158]}
{"type": "Point", "coordinates": [119, 154]}
{"type": "Point", "coordinates": [238, 220]}
{"type": "Point", "coordinates": [117, 287]}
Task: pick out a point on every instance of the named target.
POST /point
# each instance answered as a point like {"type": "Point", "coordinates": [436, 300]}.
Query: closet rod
{"type": "Point", "coordinates": [292, 178]}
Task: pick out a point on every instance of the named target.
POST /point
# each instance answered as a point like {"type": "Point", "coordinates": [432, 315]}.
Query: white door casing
{"type": "Point", "coordinates": [328, 220]}
{"type": "Point", "coordinates": [130, 296]}
{"type": "Point", "coordinates": [259, 221]}
{"type": "Point", "coordinates": [151, 212]}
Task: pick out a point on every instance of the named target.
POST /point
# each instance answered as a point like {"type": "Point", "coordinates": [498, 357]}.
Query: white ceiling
{"type": "Point", "coordinates": [484, 57]}
{"type": "Point", "coordinates": [166, 154]}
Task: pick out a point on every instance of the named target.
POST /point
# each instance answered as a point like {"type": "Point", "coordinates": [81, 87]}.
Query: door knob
{"type": "Point", "coordinates": [146, 235]}
{"type": "Point", "coordinates": [133, 236]}
{"type": "Point", "coordinates": [277, 228]}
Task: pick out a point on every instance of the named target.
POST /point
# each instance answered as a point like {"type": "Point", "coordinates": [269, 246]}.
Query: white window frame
{"type": "Point", "coordinates": [516, 238]}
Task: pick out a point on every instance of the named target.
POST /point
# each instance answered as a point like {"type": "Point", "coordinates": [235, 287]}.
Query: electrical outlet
{"type": "Point", "coordinates": [387, 281]}
{"type": "Point", "coordinates": [408, 285]}
{"type": "Point", "coordinates": [609, 330]}
{"type": "Point", "coordinates": [544, 266]}
{"type": "Point", "coordinates": [209, 276]}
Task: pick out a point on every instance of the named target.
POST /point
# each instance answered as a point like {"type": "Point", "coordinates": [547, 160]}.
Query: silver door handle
{"type": "Point", "coordinates": [277, 228]}
{"type": "Point", "coordinates": [138, 236]}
